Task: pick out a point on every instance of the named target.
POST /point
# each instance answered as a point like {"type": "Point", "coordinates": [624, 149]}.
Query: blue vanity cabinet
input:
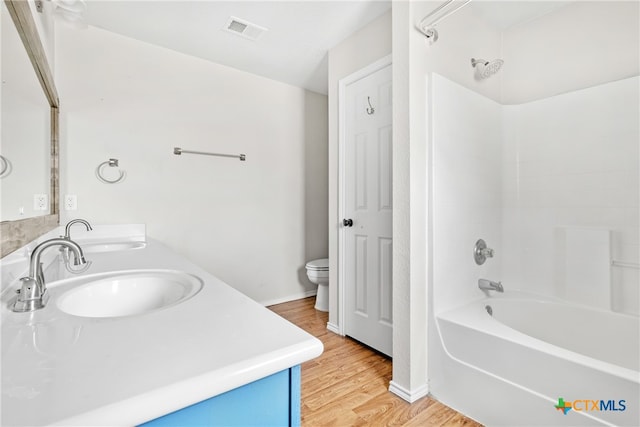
{"type": "Point", "coordinates": [270, 401]}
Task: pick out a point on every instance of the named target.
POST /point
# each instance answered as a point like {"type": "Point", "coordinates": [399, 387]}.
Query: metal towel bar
{"type": "Point", "coordinates": [178, 151]}
{"type": "Point", "coordinates": [625, 264]}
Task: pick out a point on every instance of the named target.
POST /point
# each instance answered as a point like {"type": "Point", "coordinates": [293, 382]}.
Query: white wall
{"type": "Point", "coordinates": [413, 60]}
{"type": "Point", "coordinates": [406, 328]}
{"type": "Point", "coordinates": [582, 44]}
{"type": "Point", "coordinates": [254, 224]}
{"type": "Point", "coordinates": [364, 47]}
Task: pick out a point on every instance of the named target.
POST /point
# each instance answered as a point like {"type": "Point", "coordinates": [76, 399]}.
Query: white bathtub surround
{"type": "Point", "coordinates": [587, 254]}
{"type": "Point", "coordinates": [573, 171]}
{"type": "Point", "coordinates": [533, 350]}
{"type": "Point", "coordinates": [562, 204]}
{"type": "Point", "coordinates": [467, 195]}
{"type": "Point", "coordinates": [557, 196]}
{"type": "Point", "coordinates": [128, 370]}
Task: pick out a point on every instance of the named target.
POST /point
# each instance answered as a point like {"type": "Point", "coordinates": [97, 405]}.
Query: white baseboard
{"type": "Point", "coordinates": [333, 328]}
{"type": "Point", "coordinates": [408, 395]}
{"type": "Point", "coordinates": [288, 298]}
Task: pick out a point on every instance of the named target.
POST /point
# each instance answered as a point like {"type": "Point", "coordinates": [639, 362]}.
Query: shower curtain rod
{"type": "Point", "coordinates": [425, 26]}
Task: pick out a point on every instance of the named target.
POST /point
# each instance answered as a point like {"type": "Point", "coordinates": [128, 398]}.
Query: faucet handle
{"type": "Point", "coordinates": [487, 252]}
{"type": "Point", "coordinates": [481, 252]}
{"type": "Point", "coordinates": [29, 289]}
{"type": "Point", "coordinates": [30, 296]}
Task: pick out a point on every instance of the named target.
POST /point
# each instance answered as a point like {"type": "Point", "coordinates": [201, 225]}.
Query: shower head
{"type": "Point", "coordinates": [485, 68]}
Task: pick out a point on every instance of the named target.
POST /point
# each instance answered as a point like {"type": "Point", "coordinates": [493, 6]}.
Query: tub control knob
{"type": "Point", "coordinates": [347, 222]}
{"type": "Point", "coordinates": [481, 252]}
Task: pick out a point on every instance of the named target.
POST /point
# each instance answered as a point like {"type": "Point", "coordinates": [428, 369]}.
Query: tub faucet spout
{"type": "Point", "coordinates": [489, 285]}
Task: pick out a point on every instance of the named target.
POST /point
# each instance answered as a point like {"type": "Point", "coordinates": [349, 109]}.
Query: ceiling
{"type": "Point", "coordinates": [504, 14]}
{"type": "Point", "coordinates": [300, 33]}
{"type": "Point", "coordinates": [294, 49]}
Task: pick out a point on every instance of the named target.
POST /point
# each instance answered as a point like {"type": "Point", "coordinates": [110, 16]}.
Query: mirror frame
{"type": "Point", "coordinates": [16, 234]}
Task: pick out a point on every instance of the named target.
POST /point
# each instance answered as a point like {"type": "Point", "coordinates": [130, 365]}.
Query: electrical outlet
{"type": "Point", "coordinates": [70, 202]}
{"type": "Point", "coordinates": [40, 202]}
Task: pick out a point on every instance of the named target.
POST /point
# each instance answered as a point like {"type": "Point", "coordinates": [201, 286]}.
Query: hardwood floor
{"type": "Point", "coordinates": [348, 384]}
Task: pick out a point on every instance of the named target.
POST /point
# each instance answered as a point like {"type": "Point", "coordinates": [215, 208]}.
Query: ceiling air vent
{"type": "Point", "coordinates": [243, 28]}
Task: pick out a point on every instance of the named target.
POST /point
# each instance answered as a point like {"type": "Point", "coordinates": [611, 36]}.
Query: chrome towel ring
{"type": "Point", "coordinates": [4, 166]}
{"type": "Point", "coordinates": [113, 163]}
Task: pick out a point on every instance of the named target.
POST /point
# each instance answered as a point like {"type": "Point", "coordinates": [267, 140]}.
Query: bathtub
{"type": "Point", "coordinates": [527, 346]}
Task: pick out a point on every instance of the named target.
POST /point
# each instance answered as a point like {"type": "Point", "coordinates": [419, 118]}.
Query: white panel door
{"type": "Point", "coordinates": [367, 210]}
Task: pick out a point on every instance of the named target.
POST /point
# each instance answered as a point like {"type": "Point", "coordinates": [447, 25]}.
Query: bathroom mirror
{"type": "Point", "coordinates": [25, 131]}
{"type": "Point", "coordinates": [29, 131]}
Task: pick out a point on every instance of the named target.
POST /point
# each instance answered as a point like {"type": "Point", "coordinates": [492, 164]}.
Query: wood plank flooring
{"type": "Point", "coordinates": [348, 384]}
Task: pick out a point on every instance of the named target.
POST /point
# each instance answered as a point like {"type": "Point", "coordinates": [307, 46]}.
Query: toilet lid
{"type": "Point", "coordinates": [318, 264]}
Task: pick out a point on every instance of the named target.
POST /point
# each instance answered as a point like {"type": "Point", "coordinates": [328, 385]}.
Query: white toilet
{"type": "Point", "coordinates": [318, 272]}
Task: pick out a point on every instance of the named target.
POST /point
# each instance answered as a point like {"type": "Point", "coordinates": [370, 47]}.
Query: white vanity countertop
{"type": "Point", "coordinates": [66, 370]}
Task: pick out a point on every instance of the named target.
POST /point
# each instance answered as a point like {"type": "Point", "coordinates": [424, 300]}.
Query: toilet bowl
{"type": "Point", "coordinates": [318, 273]}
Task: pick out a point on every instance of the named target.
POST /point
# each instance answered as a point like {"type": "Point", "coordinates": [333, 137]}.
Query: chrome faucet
{"type": "Point", "coordinates": [67, 235]}
{"type": "Point", "coordinates": [67, 229]}
{"type": "Point", "coordinates": [33, 293]}
{"type": "Point", "coordinates": [489, 285]}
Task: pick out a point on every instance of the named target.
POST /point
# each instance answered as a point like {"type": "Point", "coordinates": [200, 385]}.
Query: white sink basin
{"type": "Point", "coordinates": [129, 293]}
{"type": "Point", "coordinates": [94, 248]}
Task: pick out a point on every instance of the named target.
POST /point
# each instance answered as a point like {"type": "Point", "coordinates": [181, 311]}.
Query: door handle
{"type": "Point", "coordinates": [347, 222]}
